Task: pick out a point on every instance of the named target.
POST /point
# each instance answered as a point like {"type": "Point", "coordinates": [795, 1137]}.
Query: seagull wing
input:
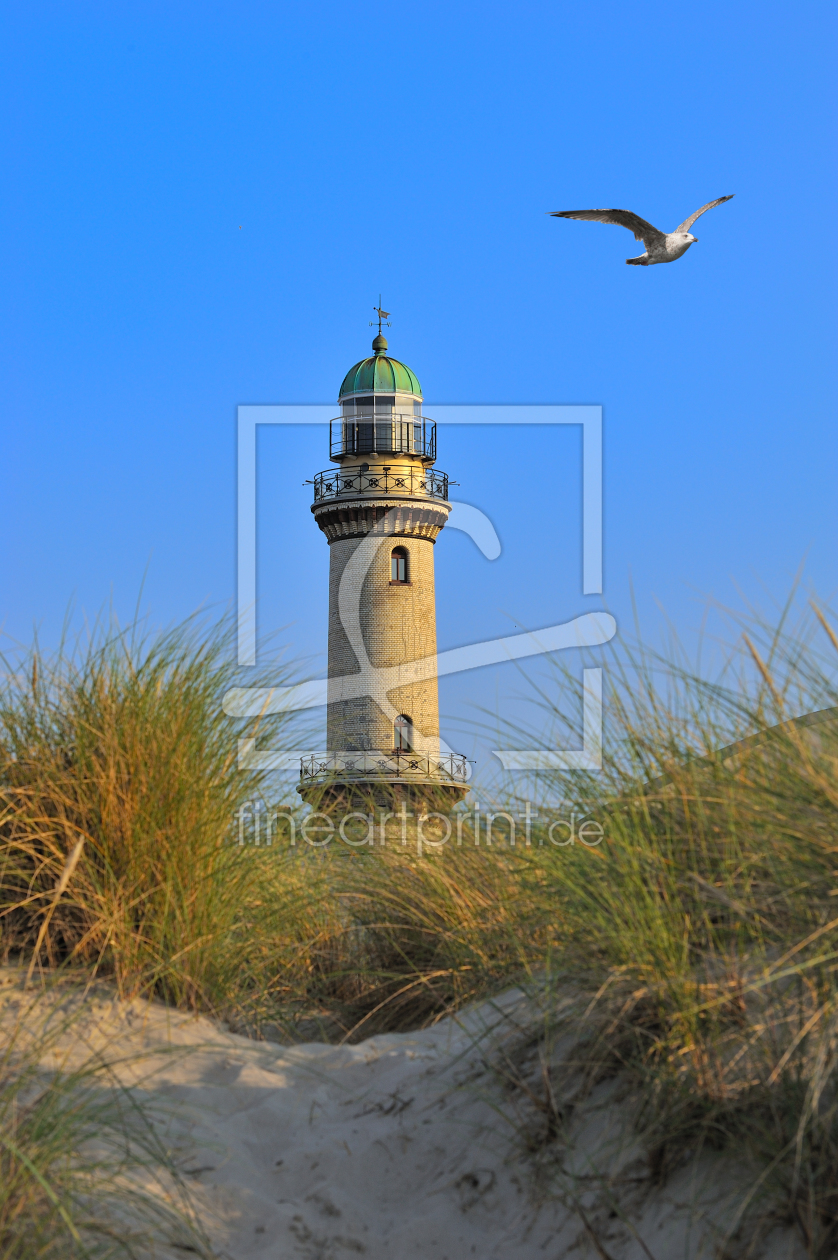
{"type": "Point", "coordinates": [687, 224]}
{"type": "Point", "coordinates": [643, 231]}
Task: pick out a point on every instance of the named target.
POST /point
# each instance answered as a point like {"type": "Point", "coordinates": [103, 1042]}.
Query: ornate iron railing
{"type": "Point", "coordinates": [383, 433]}
{"type": "Point", "coordinates": [337, 483]}
{"type": "Point", "coordinates": [420, 766]}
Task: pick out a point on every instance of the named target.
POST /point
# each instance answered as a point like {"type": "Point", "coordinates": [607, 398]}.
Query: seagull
{"type": "Point", "coordinates": [661, 247]}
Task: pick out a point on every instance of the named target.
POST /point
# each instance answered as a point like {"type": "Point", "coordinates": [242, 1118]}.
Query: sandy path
{"type": "Point", "coordinates": [394, 1149]}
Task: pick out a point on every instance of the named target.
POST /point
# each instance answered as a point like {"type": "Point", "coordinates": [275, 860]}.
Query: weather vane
{"type": "Point", "coordinates": [383, 316]}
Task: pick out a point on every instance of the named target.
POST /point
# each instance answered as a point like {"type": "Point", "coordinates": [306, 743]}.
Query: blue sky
{"type": "Point", "coordinates": [203, 203]}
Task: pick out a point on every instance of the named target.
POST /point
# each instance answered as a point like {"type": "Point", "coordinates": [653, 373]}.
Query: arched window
{"type": "Point", "coordinates": [398, 566]}
{"type": "Point", "coordinates": [403, 733]}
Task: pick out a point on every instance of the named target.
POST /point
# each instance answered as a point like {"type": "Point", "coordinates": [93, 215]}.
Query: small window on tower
{"type": "Point", "coordinates": [403, 734]}
{"type": "Point", "coordinates": [398, 566]}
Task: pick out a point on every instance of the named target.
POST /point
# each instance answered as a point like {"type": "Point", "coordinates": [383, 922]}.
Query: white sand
{"type": "Point", "coordinates": [400, 1148]}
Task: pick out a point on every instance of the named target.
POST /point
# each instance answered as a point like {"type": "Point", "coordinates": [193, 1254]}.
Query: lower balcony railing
{"type": "Point", "coordinates": [442, 767]}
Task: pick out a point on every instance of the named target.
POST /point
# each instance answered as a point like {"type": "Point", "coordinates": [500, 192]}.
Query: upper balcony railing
{"type": "Point", "coordinates": [398, 481]}
{"type": "Point", "coordinates": [386, 432]}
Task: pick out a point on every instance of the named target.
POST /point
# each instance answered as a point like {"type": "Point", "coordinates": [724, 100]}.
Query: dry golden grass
{"type": "Point", "coordinates": [118, 788]}
{"type": "Point", "coordinates": [704, 928]}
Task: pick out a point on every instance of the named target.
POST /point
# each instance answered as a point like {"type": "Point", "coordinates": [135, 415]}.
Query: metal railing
{"type": "Point", "coordinates": [334, 483]}
{"type": "Point", "coordinates": [442, 767]}
{"type": "Point", "coordinates": [382, 433]}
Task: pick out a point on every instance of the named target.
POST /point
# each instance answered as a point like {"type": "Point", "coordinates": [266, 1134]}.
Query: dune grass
{"type": "Point", "coordinates": [704, 927]}
{"type": "Point", "coordinates": [706, 923]}
{"type": "Point", "coordinates": [118, 791]}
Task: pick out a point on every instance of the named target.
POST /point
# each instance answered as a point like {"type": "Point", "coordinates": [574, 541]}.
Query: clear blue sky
{"type": "Point", "coordinates": [203, 201]}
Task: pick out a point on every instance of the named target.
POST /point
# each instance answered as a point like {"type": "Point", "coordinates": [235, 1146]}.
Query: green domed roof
{"type": "Point", "coordinates": [379, 374]}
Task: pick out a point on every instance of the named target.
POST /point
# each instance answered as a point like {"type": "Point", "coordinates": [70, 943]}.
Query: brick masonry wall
{"type": "Point", "coordinates": [398, 624]}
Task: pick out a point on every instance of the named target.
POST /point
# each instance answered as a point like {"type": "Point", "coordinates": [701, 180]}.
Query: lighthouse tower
{"type": "Point", "coordinates": [381, 510]}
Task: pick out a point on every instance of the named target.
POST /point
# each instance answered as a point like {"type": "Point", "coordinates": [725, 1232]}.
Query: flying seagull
{"type": "Point", "coordinates": [661, 247]}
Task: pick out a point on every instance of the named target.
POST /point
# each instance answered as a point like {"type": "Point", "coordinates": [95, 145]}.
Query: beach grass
{"type": "Point", "coordinates": [118, 789]}
{"type": "Point", "coordinates": [703, 928]}
{"type": "Point", "coordinates": [705, 924]}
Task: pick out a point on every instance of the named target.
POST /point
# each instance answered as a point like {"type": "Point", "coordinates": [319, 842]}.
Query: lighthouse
{"type": "Point", "coordinates": [381, 508]}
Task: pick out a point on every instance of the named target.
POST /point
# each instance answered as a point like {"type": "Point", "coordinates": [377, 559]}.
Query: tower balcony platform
{"type": "Point", "coordinates": [391, 480]}
{"type": "Point", "coordinates": [381, 430]}
{"type": "Point", "coordinates": [440, 769]}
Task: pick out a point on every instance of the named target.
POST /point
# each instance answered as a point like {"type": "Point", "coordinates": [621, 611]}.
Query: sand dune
{"type": "Point", "coordinates": [403, 1147]}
